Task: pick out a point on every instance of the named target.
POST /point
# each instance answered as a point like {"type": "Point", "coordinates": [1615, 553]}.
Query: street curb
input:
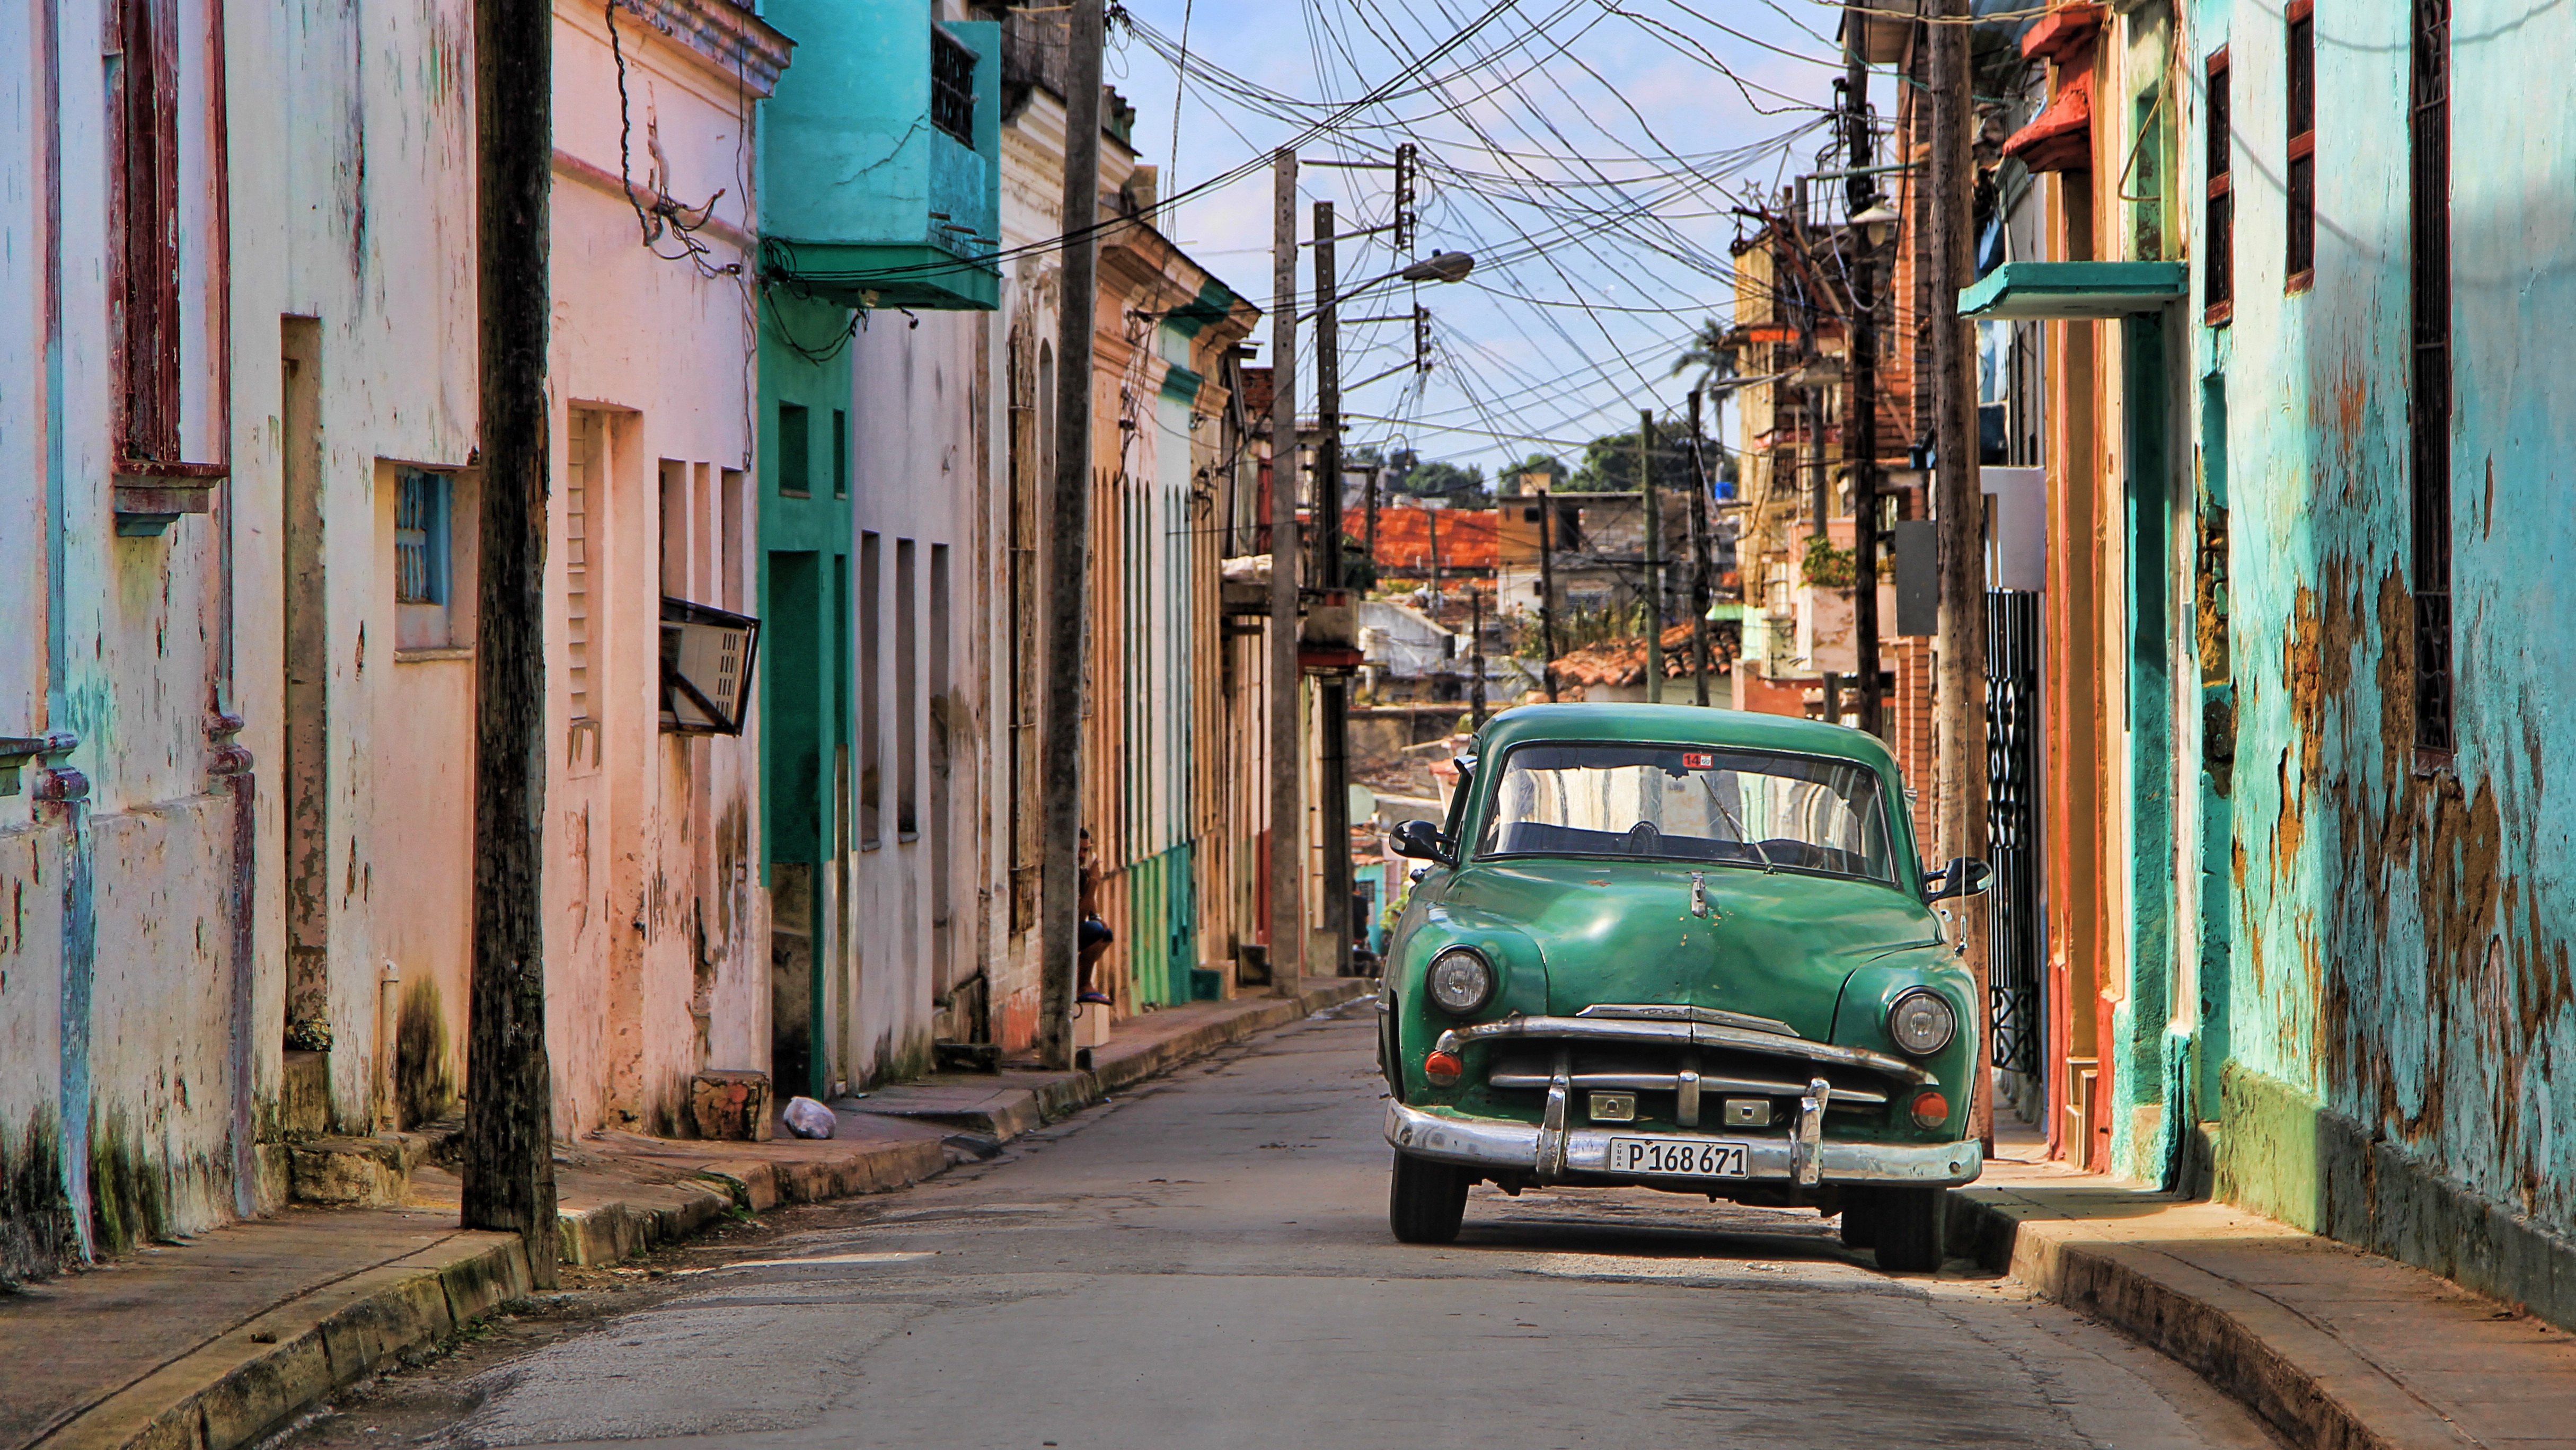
{"type": "Point", "coordinates": [249, 1380]}
{"type": "Point", "coordinates": [235, 1388]}
{"type": "Point", "coordinates": [1153, 1060]}
{"type": "Point", "coordinates": [2310, 1386]}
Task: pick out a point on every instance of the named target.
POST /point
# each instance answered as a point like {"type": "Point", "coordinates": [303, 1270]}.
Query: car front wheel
{"type": "Point", "coordinates": [1906, 1227]}
{"type": "Point", "coordinates": [1426, 1200]}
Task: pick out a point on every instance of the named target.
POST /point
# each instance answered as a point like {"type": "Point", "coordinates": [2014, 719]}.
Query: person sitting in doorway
{"type": "Point", "coordinates": [1095, 935]}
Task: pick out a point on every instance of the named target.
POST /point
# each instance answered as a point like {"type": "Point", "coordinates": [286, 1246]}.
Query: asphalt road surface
{"type": "Point", "coordinates": [1205, 1263]}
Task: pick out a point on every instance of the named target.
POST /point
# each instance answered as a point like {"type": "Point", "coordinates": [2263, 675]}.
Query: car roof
{"type": "Point", "coordinates": [1683, 725]}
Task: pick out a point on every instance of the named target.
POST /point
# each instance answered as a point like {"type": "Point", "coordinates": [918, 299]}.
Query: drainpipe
{"type": "Point", "coordinates": [388, 1018]}
{"type": "Point", "coordinates": [228, 763]}
{"type": "Point", "coordinates": [59, 790]}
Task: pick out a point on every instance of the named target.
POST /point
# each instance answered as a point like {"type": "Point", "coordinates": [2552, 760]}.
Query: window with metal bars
{"type": "Point", "coordinates": [952, 86]}
{"type": "Point", "coordinates": [2429, 413]}
{"type": "Point", "coordinates": [420, 537]}
{"type": "Point", "coordinates": [2218, 268]}
{"type": "Point", "coordinates": [2300, 182]}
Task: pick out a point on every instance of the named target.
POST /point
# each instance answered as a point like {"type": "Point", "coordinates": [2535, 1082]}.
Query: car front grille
{"type": "Point", "coordinates": [1679, 1059]}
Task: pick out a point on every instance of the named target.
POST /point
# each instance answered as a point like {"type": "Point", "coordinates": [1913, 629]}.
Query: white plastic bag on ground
{"type": "Point", "coordinates": [807, 1118]}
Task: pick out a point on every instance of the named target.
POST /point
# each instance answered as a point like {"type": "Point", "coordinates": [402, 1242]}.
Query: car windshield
{"type": "Point", "coordinates": [1689, 803]}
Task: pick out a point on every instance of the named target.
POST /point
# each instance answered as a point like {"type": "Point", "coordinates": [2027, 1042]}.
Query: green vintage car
{"type": "Point", "coordinates": [1682, 948]}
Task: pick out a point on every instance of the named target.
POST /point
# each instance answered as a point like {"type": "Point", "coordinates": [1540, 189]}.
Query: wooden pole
{"type": "Point", "coordinates": [1654, 556]}
{"type": "Point", "coordinates": [1959, 517]}
{"type": "Point", "coordinates": [1860, 448]}
{"type": "Point", "coordinates": [1287, 687]}
{"type": "Point", "coordinates": [1332, 691]}
{"type": "Point", "coordinates": [508, 1163]}
{"type": "Point", "coordinates": [1547, 589]}
{"type": "Point", "coordinates": [1069, 549]}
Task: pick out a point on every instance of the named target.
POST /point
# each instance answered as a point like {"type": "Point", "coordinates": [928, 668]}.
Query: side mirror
{"type": "Point", "coordinates": [1420, 840]}
{"type": "Point", "coordinates": [1964, 876]}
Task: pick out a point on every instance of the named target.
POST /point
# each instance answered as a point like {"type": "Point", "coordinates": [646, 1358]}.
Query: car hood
{"type": "Point", "coordinates": [1777, 945]}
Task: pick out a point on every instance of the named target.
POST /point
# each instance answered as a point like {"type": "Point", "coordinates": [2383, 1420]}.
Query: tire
{"type": "Point", "coordinates": [1908, 1225]}
{"type": "Point", "coordinates": [1860, 1225]}
{"type": "Point", "coordinates": [1425, 1200]}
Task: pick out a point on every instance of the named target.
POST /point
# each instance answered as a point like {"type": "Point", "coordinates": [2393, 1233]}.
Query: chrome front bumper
{"type": "Point", "coordinates": [1548, 1153]}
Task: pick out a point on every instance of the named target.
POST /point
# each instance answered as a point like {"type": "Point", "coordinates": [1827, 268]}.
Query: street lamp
{"type": "Point", "coordinates": [1878, 223]}
{"type": "Point", "coordinates": [1441, 266]}
{"type": "Point", "coordinates": [1438, 267]}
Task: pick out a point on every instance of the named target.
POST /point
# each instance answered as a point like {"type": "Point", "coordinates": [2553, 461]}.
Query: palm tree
{"type": "Point", "coordinates": [1709, 353]}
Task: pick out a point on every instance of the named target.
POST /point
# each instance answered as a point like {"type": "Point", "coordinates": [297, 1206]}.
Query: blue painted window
{"type": "Point", "coordinates": [795, 451]}
{"type": "Point", "coordinates": [420, 537]}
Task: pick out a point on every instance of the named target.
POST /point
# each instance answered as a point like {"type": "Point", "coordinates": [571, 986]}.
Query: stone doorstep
{"type": "Point", "coordinates": [354, 1172]}
{"type": "Point", "coordinates": [2306, 1380]}
{"type": "Point", "coordinates": [236, 1388]}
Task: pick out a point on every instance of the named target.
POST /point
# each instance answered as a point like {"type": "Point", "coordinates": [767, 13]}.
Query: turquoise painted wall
{"type": "Point", "coordinates": [2400, 934]}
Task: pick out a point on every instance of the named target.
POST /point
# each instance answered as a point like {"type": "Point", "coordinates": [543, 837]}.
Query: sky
{"type": "Point", "coordinates": [1590, 153]}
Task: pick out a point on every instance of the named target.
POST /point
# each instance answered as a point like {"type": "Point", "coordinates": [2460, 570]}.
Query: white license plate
{"type": "Point", "coordinates": [1679, 1157]}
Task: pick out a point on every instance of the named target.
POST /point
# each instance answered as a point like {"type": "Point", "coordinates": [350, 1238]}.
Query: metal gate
{"type": "Point", "coordinates": [2016, 944]}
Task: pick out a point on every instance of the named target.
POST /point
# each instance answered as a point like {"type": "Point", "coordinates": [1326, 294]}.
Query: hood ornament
{"type": "Point", "coordinates": [1699, 894]}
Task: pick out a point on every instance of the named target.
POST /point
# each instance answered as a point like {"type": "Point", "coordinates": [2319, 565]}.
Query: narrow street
{"type": "Point", "coordinates": [1206, 1262]}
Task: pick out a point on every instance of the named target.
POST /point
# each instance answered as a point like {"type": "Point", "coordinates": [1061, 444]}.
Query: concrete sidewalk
{"type": "Point", "coordinates": [216, 1341]}
{"type": "Point", "coordinates": [2336, 1347]}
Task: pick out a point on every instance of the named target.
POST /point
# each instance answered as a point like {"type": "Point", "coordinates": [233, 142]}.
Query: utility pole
{"type": "Point", "coordinates": [1375, 474]}
{"type": "Point", "coordinates": [1860, 448]}
{"type": "Point", "coordinates": [1287, 687]}
{"type": "Point", "coordinates": [509, 1161]}
{"type": "Point", "coordinates": [1069, 550]}
{"type": "Point", "coordinates": [1700, 590]}
{"type": "Point", "coordinates": [1819, 506]}
{"type": "Point", "coordinates": [1654, 556]}
{"type": "Point", "coordinates": [1332, 697]}
{"type": "Point", "coordinates": [1476, 654]}
{"type": "Point", "coordinates": [1959, 515]}
{"type": "Point", "coordinates": [1547, 590]}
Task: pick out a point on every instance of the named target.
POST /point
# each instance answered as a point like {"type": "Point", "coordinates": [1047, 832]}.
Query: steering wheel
{"type": "Point", "coordinates": [1643, 838]}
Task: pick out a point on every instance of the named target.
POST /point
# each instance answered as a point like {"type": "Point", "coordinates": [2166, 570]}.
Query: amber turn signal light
{"type": "Point", "coordinates": [1442, 1068]}
{"type": "Point", "coordinates": [1931, 1109]}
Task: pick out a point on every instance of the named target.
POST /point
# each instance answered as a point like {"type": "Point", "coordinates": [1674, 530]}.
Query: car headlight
{"type": "Point", "coordinates": [1922, 1022]}
{"type": "Point", "coordinates": [1461, 980]}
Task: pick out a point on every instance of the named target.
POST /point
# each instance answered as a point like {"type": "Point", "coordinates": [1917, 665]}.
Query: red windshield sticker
{"type": "Point", "coordinates": [1698, 760]}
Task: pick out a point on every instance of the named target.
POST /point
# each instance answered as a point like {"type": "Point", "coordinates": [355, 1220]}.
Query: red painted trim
{"type": "Point", "coordinates": [2062, 32]}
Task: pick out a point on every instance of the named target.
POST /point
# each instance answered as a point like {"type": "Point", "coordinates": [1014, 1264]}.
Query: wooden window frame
{"type": "Point", "coordinates": [155, 481]}
{"type": "Point", "coordinates": [2299, 175]}
{"type": "Point", "coordinates": [2218, 268]}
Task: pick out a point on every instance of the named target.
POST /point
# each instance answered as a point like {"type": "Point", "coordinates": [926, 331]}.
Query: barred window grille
{"type": "Point", "coordinates": [952, 86]}
{"type": "Point", "coordinates": [2429, 416]}
{"type": "Point", "coordinates": [420, 538]}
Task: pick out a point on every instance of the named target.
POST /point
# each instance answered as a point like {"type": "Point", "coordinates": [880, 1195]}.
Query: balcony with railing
{"type": "Point", "coordinates": [881, 157]}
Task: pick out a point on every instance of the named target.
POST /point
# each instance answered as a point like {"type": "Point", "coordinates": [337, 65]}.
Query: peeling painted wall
{"type": "Point", "coordinates": [2400, 947]}
{"type": "Point", "coordinates": [144, 913]}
